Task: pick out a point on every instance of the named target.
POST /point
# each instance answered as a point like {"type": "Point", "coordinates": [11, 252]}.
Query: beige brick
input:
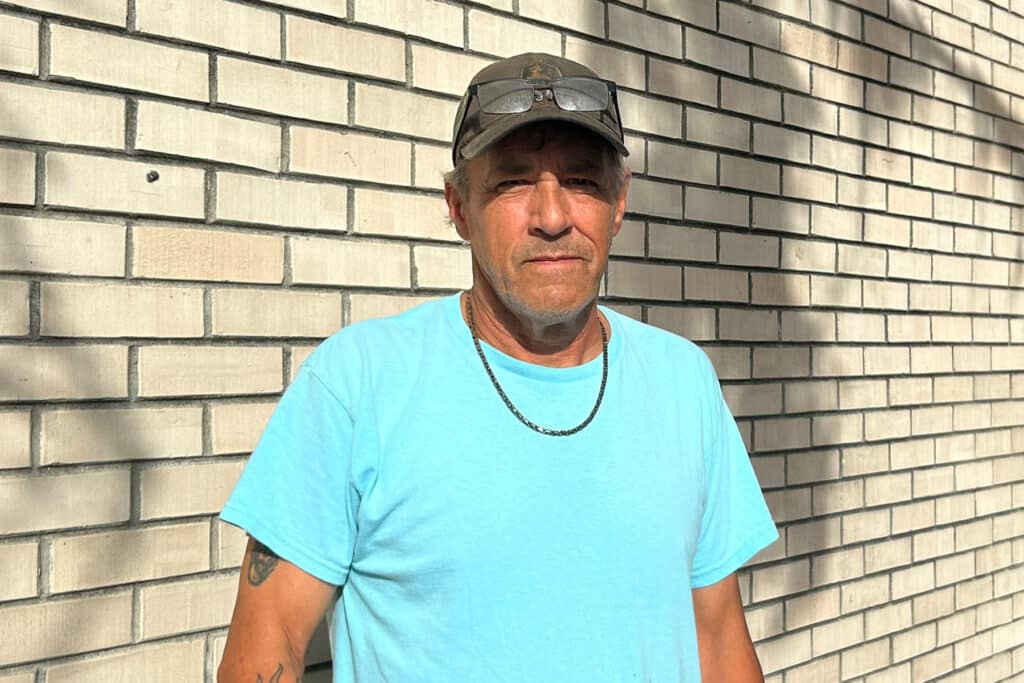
{"type": "Point", "coordinates": [53, 629]}
{"type": "Point", "coordinates": [717, 207]}
{"type": "Point", "coordinates": [98, 559]}
{"type": "Point", "coordinates": [838, 634]}
{"type": "Point", "coordinates": [111, 434]}
{"type": "Point", "coordinates": [785, 652]}
{"type": "Point", "coordinates": [213, 22]}
{"type": "Point", "coordinates": [61, 115]}
{"type": "Point", "coordinates": [189, 132]}
{"type": "Point", "coordinates": [910, 138]}
{"type": "Point", "coordinates": [782, 70]}
{"type": "Point", "coordinates": [862, 327]}
{"type": "Point", "coordinates": [782, 434]}
{"type": "Point", "coordinates": [200, 370]}
{"type": "Point", "coordinates": [61, 246]}
{"type": "Point", "coordinates": [834, 291]}
{"type": "Point", "coordinates": [810, 44]}
{"type": "Point", "coordinates": [839, 156]}
{"type": "Point", "coordinates": [586, 16]}
{"type": "Point", "coordinates": [858, 460]}
{"type": "Point", "coordinates": [64, 372]}
{"type": "Point", "coordinates": [682, 242]}
{"type": "Point", "coordinates": [933, 113]}
{"type": "Point", "coordinates": [504, 37]}
{"type": "Point", "coordinates": [17, 176]}
{"type": "Point", "coordinates": [861, 193]}
{"type": "Point", "coordinates": [286, 203]}
{"type": "Point", "coordinates": [359, 263]}
{"type": "Point", "coordinates": [810, 113]}
{"type": "Point", "coordinates": [404, 112]}
{"type": "Point", "coordinates": [178, 490]}
{"type": "Point", "coordinates": [128, 63]}
{"type": "Point", "coordinates": [15, 438]}
{"type": "Point", "coordinates": [253, 85]}
{"type": "Point", "coordinates": [864, 61]}
{"type": "Point", "coordinates": [748, 174]}
{"type": "Point", "coordinates": [167, 252]}
{"type": "Point", "coordinates": [718, 53]}
{"type": "Point", "coordinates": [274, 313]}
{"type": "Point", "coordinates": [350, 155]}
{"type": "Point", "coordinates": [645, 281]}
{"type": "Point", "coordinates": [746, 324]}
{"type": "Point", "coordinates": [750, 99]}
{"type": "Point", "coordinates": [781, 362]}
{"type": "Point", "coordinates": [340, 48]}
{"type": "Point", "coordinates": [19, 562]}
{"type": "Point", "coordinates": [784, 216]}
{"type": "Point", "coordinates": [696, 324]}
{"type": "Point", "coordinates": [812, 608]}
{"type": "Point", "coordinates": [236, 427]}
{"type": "Point", "coordinates": [14, 308]}
{"type": "Point", "coordinates": [682, 163]}
{"type": "Point", "coordinates": [655, 198]}
{"type": "Point", "coordinates": [680, 82]}
{"type": "Point", "coordinates": [807, 255]}
{"type": "Point", "coordinates": [28, 676]}
{"type": "Point", "coordinates": [77, 499]}
{"type": "Point", "coordinates": [780, 289]}
{"type": "Point", "coordinates": [101, 310]}
{"type": "Point", "coordinates": [177, 660]}
{"type": "Point", "coordinates": [750, 26]}
{"type": "Point", "coordinates": [715, 284]}
{"type": "Point", "coordinates": [836, 429]}
{"type": "Point", "coordinates": [635, 28]}
{"type": "Point", "coordinates": [883, 229]}
{"type": "Point", "coordinates": [837, 87]}
{"type": "Point", "coordinates": [190, 605]}
{"type": "Point", "coordinates": [19, 49]}
{"type": "Point", "coordinates": [443, 267]}
{"type": "Point", "coordinates": [748, 250]}
{"type": "Point", "coordinates": [104, 184]}
{"type": "Point", "coordinates": [431, 163]}
{"type": "Point", "coordinates": [717, 129]}
{"type": "Point", "coordinates": [781, 579]}
{"type": "Point", "coordinates": [932, 236]}
{"type": "Point", "coordinates": [699, 14]}
{"type": "Point", "coordinates": [865, 127]}
{"type": "Point", "coordinates": [626, 68]}
{"type": "Point", "coordinates": [814, 466]}
{"type": "Point", "coordinates": [448, 72]}
{"type": "Point", "coordinates": [650, 116]}
{"type": "Point", "coordinates": [807, 184]}
{"type": "Point", "coordinates": [856, 260]}
{"type": "Point", "coordinates": [911, 202]}
{"type": "Point", "coordinates": [858, 527]}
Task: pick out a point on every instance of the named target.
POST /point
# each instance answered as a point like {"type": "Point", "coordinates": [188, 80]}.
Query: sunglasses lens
{"type": "Point", "coordinates": [580, 94]}
{"type": "Point", "coordinates": [505, 97]}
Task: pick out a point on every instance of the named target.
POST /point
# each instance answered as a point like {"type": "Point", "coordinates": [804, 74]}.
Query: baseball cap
{"type": "Point", "coordinates": [476, 129]}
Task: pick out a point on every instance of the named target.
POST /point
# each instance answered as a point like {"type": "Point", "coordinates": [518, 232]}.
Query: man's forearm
{"type": "Point", "coordinates": [240, 671]}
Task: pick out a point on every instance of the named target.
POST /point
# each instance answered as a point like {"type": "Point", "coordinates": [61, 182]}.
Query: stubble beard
{"type": "Point", "coordinates": [521, 307]}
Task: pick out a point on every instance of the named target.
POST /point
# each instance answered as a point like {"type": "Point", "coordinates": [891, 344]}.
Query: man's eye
{"type": "Point", "coordinates": [511, 183]}
{"type": "Point", "coordinates": [581, 182]}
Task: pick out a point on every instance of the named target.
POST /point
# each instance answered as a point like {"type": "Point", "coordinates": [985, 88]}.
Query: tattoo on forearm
{"type": "Point", "coordinates": [276, 676]}
{"type": "Point", "coordinates": [261, 563]}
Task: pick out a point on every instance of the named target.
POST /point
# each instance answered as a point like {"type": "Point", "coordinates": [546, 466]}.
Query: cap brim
{"type": "Point", "coordinates": [503, 127]}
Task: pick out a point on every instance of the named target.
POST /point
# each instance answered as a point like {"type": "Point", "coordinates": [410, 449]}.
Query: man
{"type": "Point", "coordinates": [510, 484]}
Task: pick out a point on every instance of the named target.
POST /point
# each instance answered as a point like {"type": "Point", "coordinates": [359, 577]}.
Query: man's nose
{"type": "Point", "coordinates": [550, 213]}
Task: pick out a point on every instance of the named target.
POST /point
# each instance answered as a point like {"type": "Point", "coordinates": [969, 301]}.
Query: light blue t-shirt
{"type": "Point", "coordinates": [474, 549]}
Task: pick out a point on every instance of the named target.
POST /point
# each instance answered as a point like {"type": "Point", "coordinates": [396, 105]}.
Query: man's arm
{"type": "Point", "coordinates": [278, 608]}
{"type": "Point", "coordinates": [726, 652]}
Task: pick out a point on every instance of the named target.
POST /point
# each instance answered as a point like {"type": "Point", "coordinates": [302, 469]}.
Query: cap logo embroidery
{"type": "Point", "coordinates": [540, 72]}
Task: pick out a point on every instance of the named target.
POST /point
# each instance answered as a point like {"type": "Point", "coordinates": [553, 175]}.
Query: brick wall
{"type": "Point", "coordinates": [828, 196]}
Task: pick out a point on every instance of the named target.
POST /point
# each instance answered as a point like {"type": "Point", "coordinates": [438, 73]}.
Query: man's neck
{"type": "Point", "coordinates": [574, 342]}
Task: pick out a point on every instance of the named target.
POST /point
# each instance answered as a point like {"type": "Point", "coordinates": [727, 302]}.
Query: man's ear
{"type": "Point", "coordinates": [455, 210]}
{"type": "Point", "coordinates": [620, 203]}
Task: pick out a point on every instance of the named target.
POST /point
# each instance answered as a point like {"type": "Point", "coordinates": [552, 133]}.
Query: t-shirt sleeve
{"type": "Point", "coordinates": [736, 523]}
{"type": "Point", "coordinates": [296, 493]}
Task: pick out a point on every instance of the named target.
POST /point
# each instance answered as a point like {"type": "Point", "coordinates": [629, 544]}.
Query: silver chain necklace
{"type": "Point", "coordinates": [504, 397]}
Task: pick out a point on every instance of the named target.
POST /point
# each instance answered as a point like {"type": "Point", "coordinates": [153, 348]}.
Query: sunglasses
{"type": "Point", "coordinates": [516, 95]}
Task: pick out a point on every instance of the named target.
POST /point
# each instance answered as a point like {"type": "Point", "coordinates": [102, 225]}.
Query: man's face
{"type": "Point", "coordinates": [540, 212]}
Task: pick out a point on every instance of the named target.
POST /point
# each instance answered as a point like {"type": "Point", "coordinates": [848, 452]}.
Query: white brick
{"type": "Point", "coordinates": [404, 112]}
{"type": "Point", "coordinates": [284, 203]}
{"type": "Point", "coordinates": [634, 28]}
{"type": "Point", "coordinates": [228, 25]}
{"type": "Point", "coordinates": [179, 490]}
{"type": "Point", "coordinates": [61, 115]}
{"type": "Point", "coordinates": [716, 129]}
{"type": "Point", "coordinates": [586, 16]}
{"type": "Point", "coordinates": [718, 53]}
{"type": "Point", "coordinates": [650, 115]}
{"type": "Point", "coordinates": [681, 242]}
{"type": "Point", "coordinates": [64, 372]}
{"type": "Point", "coordinates": [15, 438]}
{"type": "Point", "coordinates": [182, 606]}
{"type": "Point", "coordinates": [111, 434]}
{"type": "Point", "coordinates": [773, 214]}
{"type": "Point", "coordinates": [626, 68]}
{"type": "Point", "coordinates": [19, 47]}
{"type": "Point", "coordinates": [504, 37]}
{"type": "Point", "coordinates": [177, 660]}
{"type": "Point", "coordinates": [14, 308]}
{"type": "Point", "coordinates": [371, 306]}
{"type": "Point", "coordinates": [114, 12]}
{"type": "Point", "coordinates": [102, 310]}
{"type": "Point", "coordinates": [681, 163]}
{"type": "Point", "coordinates": [61, 246]}
{"type": "Point", "coordinates": [443, 267]}
{"type": "Point", "coordinates": [253, 85]}
{"type": "Point", "coordinates": [356, 263]}
{"type": "Point", "coordinates": [715, 284]}
{"type": "Point", "coordinates": [333, 8]}
{"type": "Point", "coordinates": [446, 71]}
{"type": "Point", "coordinates": [350, 155]}
{"type": "Point", "coordinates": [17, 176]}
{"type": "Point", "coordinates": [19, 565]}
{"type": "Point", "coordinates": [199, 370]}
{"type": "Point", "coordinates": [782, 70]}
{"type": "Point", "coordinates": [82, 55]}
{"type": "Point", "coordinates": [344, 49]}
{"type": "Point", "coordinates": [103, 184]}
{"type": "Point", "coordinates": [188, 132]}
{"type": "Point", "coordinates": [179, 253]}
{"type": "Point", "coordinates": [76, 499]}
{"type": "Point", "coordinates": [52, 629]}
{"type": "Point", "coordinates": [434, 20]}
{"type": "Point", "coordinates": [749, 25]}
{"type": "Point", "coordinates": [655, 198]}
{"type": "Point", "coordinates": [645, 281]}
{"type": "Point", "coordinates": [751, 99]}
{"type": "Point", "coordinates": [99, 559]}
{"type": "Point", "coordinates": [236, 427]}
{"type": "Point", "coordinates": [806, 255]}
{"type": "Point", "coordinates": [274, 313]}
{"type": "Point", "coordinates": [403, 214]}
